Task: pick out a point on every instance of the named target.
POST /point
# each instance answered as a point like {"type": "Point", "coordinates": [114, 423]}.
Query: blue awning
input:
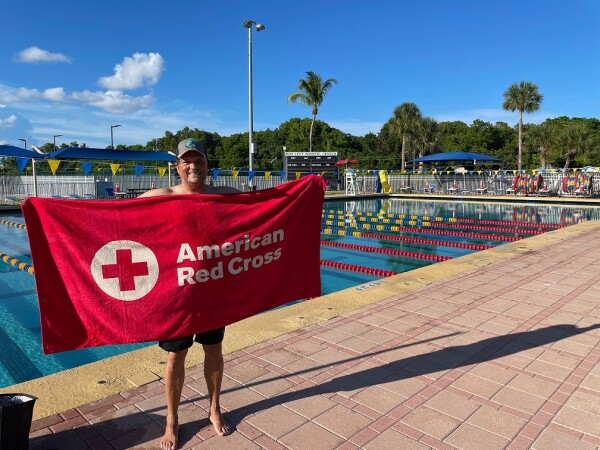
{"type": "Point", "coordinates": [110, 155]}
{"type": "Point", "coordinates": [18, 152]}
{"type": "Point", "coordinates": [457, 156]}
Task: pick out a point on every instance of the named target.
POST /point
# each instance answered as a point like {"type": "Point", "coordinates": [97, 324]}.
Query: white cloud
{"type": "Point", "coordinates": [54, 94]}
{"type": "Point", "coordinates": [37, 55]}
{"type": "Point", "coordinates": [8, 122]}
{"type": "Point", "coordinates": [113, 101]}
{"type": "Point", "coordinates": [143, 69]}
{"type": "Point", "coordinates": [110, 101]}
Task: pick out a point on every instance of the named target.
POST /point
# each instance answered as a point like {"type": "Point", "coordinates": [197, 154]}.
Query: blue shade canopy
{"type": "Point", "coordinates": [17, 152]}
{"type": "Point", "coordinates": [457, 156]}
{"type": "Point", "coordinates": [111, 155]}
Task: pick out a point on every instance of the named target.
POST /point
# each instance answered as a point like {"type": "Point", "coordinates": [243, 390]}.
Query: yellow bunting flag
{"type": "Point", "coordinates": [235, 174]}
{"type": "Point", "coordinates": [161, 171]}
{"type": "Point", "coordinates": [433, 171]}
{"type": "Point", "coordinates": [114, 168]}
{"type": "Point", "coordinates": [54, 163]}
{"type": "Point", "coordinates": [267, 175]}
{"type": "Point", "coordinates": [297, 175]}
{"type": "Point", "coordinates": [479, 172]}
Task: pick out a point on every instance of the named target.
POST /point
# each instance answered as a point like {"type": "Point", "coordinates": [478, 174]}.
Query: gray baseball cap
{"type": "Point", "coordinates": [190, 145]}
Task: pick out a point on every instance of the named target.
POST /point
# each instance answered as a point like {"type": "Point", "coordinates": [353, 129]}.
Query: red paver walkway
{"type": "Point", "coordinates": [501, 357]}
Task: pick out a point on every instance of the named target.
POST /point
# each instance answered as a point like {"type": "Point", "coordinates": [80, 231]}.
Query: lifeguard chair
{"type": "Point", "coordinates": [351, 182]}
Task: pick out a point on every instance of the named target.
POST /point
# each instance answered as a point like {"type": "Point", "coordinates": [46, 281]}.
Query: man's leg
{"type": "Point", "coordinates": [213, 372]}
{"type": "Point", "coordinates": [174, 377]}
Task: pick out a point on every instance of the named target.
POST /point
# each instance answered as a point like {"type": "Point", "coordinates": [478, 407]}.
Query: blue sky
{"type": "Point", "coordinates": [76, 68]}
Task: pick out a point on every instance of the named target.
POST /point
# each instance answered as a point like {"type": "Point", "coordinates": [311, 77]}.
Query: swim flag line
{"type": "Point", "coordinates": [157, 268]}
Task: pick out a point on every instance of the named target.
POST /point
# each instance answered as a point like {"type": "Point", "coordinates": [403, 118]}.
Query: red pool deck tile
{"type": "Point", "coordinates": [504, 356]}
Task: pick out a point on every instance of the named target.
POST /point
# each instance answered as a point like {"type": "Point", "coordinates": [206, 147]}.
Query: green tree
{"type": "Point", "coordinates": [578, 139]}
{"type": "Point", "coordinates": [541, 138]}
{"type": "Point", "coordinates": [454, 136]}
{"type": "Point", "coordinates": [426, 137]}
{"type": "Point", "coordinates": [232, 152]}
{"type": "Point", "coordinates": [312, 92]}
{"type": "Point", "coordinates": [523, 97]}
{"type": "Point", "coordinates": [269, 153]}
{"type": "Point", "coordinates": [390, 144]}
{"type": "Point", "coordinates": [406, 117]}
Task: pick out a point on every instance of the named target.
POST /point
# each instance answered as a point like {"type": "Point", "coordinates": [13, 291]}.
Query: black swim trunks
{"type": "Point", "coordinates": [209, 338]}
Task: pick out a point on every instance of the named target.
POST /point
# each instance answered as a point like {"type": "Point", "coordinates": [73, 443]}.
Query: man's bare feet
{"type": "Point", "coordinates": [169, 440]}
{"type": "Point", "coordinates": [221, 426]}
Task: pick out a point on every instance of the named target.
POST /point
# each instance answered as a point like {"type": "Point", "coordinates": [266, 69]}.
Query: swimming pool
{"type": "Point", "coordinates": [360, 240]}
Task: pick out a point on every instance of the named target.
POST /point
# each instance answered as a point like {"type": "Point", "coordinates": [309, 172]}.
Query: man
{"type": "Point", "coordinates": [192, 167]}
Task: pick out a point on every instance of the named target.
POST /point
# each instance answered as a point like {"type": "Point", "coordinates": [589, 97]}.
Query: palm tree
{"type": "Point", "coordinates": [523, 97]}
{"type": "Point", "coordinates": [426, 136]}
{"type": "Point", "coordinates": [406, 117]}
{"type": "Point", "coordinates": [578, 139]}
{"type": "Point", "coordinates": [312, 93]}
{"type": "Point", "coordinates": [541, 138]}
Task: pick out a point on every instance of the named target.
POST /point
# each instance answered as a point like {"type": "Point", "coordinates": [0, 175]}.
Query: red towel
{"type": "Point", "coordinates": [125, 271]}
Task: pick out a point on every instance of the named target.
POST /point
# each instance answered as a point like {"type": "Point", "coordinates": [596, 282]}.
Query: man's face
{"type": "Point", "coordinates": [192, 167]}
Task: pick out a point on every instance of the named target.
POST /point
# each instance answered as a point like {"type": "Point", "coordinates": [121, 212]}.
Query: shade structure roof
{"type": "Point", "coordinates": [457, 156]}
{"type": "Point", "coordinates": [110, 155]}
{"type": "Point", "coordinates": [17, 152]}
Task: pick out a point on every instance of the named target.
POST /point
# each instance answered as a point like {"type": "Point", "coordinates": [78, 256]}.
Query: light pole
{"type": "Point", "coordinates": [54, 141]}
{"type": "Point", "coordinates": [112, 143]}
{"type": "Point", "coordinates": [251, 149]}
{"type": "Point", "coordinates": [24, 142]}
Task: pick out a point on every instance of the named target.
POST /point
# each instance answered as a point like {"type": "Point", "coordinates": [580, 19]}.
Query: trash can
{"type": "Point", "coordinates": [16, 412]}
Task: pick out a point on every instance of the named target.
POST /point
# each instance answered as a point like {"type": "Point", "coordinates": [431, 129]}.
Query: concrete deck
{"type": "Point", "coordinates": [493, 350]}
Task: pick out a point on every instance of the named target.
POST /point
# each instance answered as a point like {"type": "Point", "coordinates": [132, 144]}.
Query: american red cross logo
{"type": "Point", "coordinates": [125, 270]}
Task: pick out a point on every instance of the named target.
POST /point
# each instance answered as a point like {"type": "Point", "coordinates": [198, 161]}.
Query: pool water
{"type": "Point", "coordinates": [21, 356]}
{"type": "Point", "coordinates": [410, 233]}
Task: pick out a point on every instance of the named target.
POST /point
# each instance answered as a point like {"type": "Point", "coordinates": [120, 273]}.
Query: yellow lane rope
{"type": "Point", "coordinates": [13, 224]}
{"type": "Point", "coordinates": [16, 263]}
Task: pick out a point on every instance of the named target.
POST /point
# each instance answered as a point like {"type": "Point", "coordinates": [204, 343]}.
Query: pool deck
{"type": "Point", "coordinates": [498, 349]}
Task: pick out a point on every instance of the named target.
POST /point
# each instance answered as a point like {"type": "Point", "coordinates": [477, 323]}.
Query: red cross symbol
{"type": "Point", "coordinates": [125, 270]}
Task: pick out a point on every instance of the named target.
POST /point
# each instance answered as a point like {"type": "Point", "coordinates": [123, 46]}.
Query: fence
{"type": "Point", "coordinates": [467, 183]}
{"type": "Point", "coordinates": [21, 186]}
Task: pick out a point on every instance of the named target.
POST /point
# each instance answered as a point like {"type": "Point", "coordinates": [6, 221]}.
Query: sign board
{"type": "Point", "coordinates": [318, 163]}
